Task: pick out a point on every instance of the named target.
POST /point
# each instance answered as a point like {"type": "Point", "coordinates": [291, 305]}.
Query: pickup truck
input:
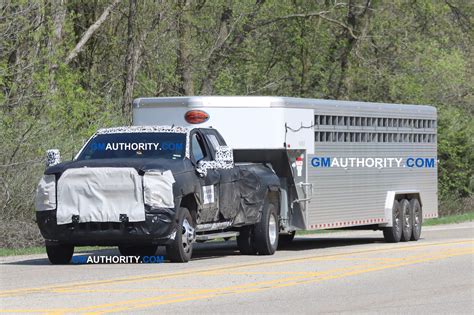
{"type": "Point", "coordinates": [143, 186]}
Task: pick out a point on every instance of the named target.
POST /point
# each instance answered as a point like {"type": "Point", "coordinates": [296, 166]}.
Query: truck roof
{"type": "Point", "coordinates": [139, 129]}
{"type": "Point", "coordinates": [275, 101]}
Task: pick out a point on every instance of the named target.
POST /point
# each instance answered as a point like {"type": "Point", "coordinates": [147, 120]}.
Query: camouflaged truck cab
{"type": "Point", "coordinates": [140, 187]}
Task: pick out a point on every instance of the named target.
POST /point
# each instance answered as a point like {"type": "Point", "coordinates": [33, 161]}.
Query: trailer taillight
{"type": "Point", "coordinates": [196, 116]}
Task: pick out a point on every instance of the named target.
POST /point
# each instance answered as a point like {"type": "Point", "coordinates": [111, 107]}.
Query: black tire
{"type": "Point", "coordinates": [181, 248]}
{"type": "Point", "coordinates": [130, 250]}
{"type": "Point", "coordinates": [286, 239]}
{"type": "Point", "coordinates": [417, 219]}
{"type": "Point", "coordinates": [266, 231]}
{"type": "Point", "coordinates": [407, 224]}
{"type": "Point", "coordinates": [245, 241]}
{"type": "Point", "coordinates": [60, 254]}
{"type": "Point", "coordinates": [393, 234]}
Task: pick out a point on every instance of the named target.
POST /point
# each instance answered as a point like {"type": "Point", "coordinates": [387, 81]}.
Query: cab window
{"type": "Point", "coordinates": [197, 147]}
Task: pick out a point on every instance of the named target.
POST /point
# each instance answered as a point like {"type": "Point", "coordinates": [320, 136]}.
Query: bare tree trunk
{"type": "Point", "coordinates": [222, 36]}
{"type": "Point", "coordinates": [228, 40]}
{"type": "Point", "coordinates": [90, 31]}
{"type": "Point", "coordinates": [183, 68]}
{"type": "Point", "coordinates": [58, 13]}
{"type": "Point", "coordinates": [131, 60]}
{"type": "Point", "coordinates": [353, 21]}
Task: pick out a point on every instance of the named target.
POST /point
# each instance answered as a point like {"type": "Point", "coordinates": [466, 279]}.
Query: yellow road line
{"type": "Point", "coordinates": [135, 304]}
{"type": "Point", "coordinates": [253, 286]}
{"type": "Point", "coordinates": [197, 271]}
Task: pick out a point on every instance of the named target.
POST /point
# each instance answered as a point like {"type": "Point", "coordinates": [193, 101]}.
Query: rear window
{"type": "Point", "coordinates": [135, 145]}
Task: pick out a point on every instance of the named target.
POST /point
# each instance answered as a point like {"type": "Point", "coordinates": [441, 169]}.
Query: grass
{"type": "Point", "coordinates": [450, 219]}
{"type": "Point", "coordinates": [42, 250]}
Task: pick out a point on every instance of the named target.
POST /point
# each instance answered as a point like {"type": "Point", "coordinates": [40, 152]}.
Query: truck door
{"type": "Point", "coordinates": [229, 195]}
{"type": "Point", "coordinates": [209, 182]}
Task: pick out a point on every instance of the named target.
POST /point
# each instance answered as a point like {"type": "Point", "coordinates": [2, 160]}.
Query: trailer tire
{"type": "Point", "coordinates": [181, 248]}
{"type": "Point", "coordinates": [417, 219]}
{"type": "Point", "coordinates": [245, 241]}
{"type": "Point", "coordinates": [266, 231]}
{"type": "Point", "coordinates": [60, 254]}
{"type": "Point", "coordinates": [148, 250]}
{"type": "Point", "coordinates": [393, 234]}
{"type": "Point", "coordinates": [407, 225]}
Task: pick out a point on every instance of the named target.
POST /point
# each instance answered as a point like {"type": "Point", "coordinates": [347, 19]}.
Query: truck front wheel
{"type": "Point", "coordinates": [59, 254]}
{"type": "Point", "coordinates": [181, 248]}
{"type": "Point", "coordinates": [267, 230]}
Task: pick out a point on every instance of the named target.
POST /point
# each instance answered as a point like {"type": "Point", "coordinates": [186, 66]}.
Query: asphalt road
{"type": "Point", "coordinates": [344, 272]}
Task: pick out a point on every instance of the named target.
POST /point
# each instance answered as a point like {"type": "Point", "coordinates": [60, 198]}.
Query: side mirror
{"type": "Point", "coordinates": [225, 157]}
{"type": "Point", "coordinates": [53, 157]}
{"type": "Point", "coordinates": [201, 169]}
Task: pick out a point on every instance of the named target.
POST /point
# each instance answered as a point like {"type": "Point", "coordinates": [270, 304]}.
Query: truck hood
{"type": "Point", "coordinates": [141, 165]}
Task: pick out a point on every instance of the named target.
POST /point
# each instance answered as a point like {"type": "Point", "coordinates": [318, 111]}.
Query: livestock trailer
{"type": "Point", "coordinates": [341, 164]}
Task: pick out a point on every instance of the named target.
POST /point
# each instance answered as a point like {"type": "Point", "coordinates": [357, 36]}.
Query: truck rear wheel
{"type": "Point", "coordinates": [59, 254]}
{"type": "Point", "coordinates": [245, 241]}
{"type": "Point", "coordinates": [148, 250]}
{"type": "Point", "coordinates": [266, 231]}
{"type": "Point", "coordinates": [393, 234]}
{"type": "Point", "coordinates": [181, 248]}
{"type": "Point", "coordinates": [417, 219]}
{"type": "Point", "coordinates": [407, 225]}
{"type": "Point", "coordinates": [286, 239]}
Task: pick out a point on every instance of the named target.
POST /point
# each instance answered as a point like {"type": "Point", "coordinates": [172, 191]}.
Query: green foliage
{"type": "Point", "coordinates": [417, 52]}
{"type": "Point", "coordinates": [455, 152]}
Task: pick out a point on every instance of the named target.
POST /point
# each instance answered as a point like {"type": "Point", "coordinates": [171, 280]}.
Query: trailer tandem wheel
{"type": "Point", "coordinates": [407, 224]}
{"type": "Point", "coordinates": [417, 219]}
{"type": "Point", "coordinates": [393, 234]}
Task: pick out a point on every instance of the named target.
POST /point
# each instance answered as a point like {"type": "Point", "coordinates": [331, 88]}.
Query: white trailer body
{"type": "Point", "coordinates": [341, 163]}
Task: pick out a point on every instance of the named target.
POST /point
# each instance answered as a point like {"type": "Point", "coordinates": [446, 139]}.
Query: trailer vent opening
{"type": "Point", "coordinates": [196, 116]}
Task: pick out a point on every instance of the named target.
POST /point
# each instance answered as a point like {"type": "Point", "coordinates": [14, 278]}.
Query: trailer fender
{"type": "Point", "coordinates": [393, 195]}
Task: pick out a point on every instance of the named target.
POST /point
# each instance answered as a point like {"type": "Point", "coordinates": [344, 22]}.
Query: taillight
{"type": "Point", "coordinates": [196, 116]}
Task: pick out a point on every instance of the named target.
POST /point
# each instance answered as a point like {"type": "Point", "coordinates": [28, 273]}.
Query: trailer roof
{"type": "Point", "coordinates": [275, 102]}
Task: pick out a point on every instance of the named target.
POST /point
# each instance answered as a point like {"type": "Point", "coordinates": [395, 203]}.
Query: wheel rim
{"type": "Point", "coordinates": [396, 219]}
{"type": "Point", "coordinates": [407, 219]}
{"type": "Point", "coordinates": [272, 229]}
{"type": "Point", "coordinates": [187, 237]}
{"type": "Point", "coordinates": [416, 218]}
